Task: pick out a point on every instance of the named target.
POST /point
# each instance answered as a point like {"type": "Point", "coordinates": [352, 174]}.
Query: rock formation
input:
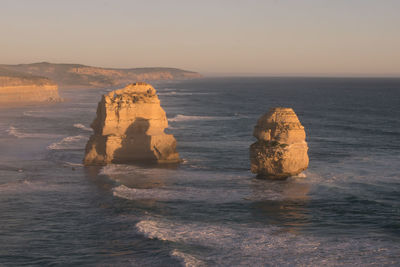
{"type": "Point", "coordinates": [129, 128]}
{"type": "Point", "coordinates": [18, 87]}
{"type": "Point", "coordinates": [281, 149]}
{"type": "Point", "coordinates": [77, 75]}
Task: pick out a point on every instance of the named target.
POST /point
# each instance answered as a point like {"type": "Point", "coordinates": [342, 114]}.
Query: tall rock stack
{"type": "Point", "coordinates": [281, 149]}
{"type": "Point", "coordinates": [129, 128]}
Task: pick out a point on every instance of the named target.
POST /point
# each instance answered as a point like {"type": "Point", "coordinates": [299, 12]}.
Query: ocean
{"type": "Point", "coordinates": [211, 210]}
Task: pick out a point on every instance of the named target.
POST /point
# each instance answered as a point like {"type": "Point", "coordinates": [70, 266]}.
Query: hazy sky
{"type": "Point", "coordinates": [266, 37]}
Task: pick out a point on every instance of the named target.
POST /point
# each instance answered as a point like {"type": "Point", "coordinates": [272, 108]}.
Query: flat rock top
{"type": "Point", "coordinates": [280, 124]}
{"type": "Point", "coordinates": [140, 88]}
{"type": "Point", "coordinates": [279, 115]}
{"type": "Point", "coordinates": [134, 92]}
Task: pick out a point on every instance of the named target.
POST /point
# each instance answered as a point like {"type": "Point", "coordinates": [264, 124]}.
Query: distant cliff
{"type": "Point", "coordinates": [81, 75]}
{"type": "Point", "coordinates": [18, 87]}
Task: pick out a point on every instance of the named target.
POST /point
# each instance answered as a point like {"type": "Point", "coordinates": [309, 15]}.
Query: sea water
{"type": "Point", "coordinates": [211, 210]}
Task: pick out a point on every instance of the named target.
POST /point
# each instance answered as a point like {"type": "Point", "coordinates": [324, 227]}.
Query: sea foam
{"type": "Point", "coordinates": [234, 244]}
{"type": "Point", "coordinates": [70, 142]}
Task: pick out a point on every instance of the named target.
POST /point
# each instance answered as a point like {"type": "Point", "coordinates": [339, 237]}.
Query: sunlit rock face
{"type": "Point", "coordinates": [129, 128]}
{"type": "Point", "coordinates": [281, 149]}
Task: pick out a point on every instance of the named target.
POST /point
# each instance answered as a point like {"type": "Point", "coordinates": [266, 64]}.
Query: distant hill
{"type": "Point", "coordinates": [81, 75]}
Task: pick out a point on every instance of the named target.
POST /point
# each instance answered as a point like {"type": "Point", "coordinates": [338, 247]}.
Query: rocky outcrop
{"type": "Point", "coordinates": [17, 87]}
{"type": "Point", "coordinates": [281, 149]}
{"type": "Point", "coordinates": [129, 128]}
{"type": "Point", "coordinates": [77, 75]}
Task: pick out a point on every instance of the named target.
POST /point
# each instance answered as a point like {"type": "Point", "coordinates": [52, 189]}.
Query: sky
{"type": "Point", "coordinates": [247, 37]}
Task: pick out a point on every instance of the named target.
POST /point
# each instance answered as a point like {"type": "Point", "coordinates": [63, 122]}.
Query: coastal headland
{"type": "Point", "coordinates": [18, 87]}
{"type": "Point", "coordinates": [78, 75]}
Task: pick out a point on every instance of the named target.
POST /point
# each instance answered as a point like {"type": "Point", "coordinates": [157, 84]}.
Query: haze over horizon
{"type": "Point", "coordinates": [271, 37]}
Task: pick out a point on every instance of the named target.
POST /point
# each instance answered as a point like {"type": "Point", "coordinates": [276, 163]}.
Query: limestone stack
{"type": "Point", "coordinates": [129, 128]}
{"type": "Point", "coordinates": [281, 149]}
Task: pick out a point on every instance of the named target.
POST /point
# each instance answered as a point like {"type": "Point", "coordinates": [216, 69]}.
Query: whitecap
{"type": "Point", "coordinates": [82, 127]}
{"type": "Point", "coordinates": [70, 142]}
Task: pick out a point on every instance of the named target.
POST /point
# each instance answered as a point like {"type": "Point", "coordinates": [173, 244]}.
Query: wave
{"type": "Point", "coordinates": [179, 118]}
{"type": "Point", "coordinates": [26, 186]}
{"type": "Point", "coordinates": [115, 169]}
{"type": "Point", "coordinates": [210, 195]}
{"type": "Point", "coordinates": [70, 142]}
{"type": "Point", "coordinates": [301, 175]}
{"type": "Point", "coordinates": [187, 259]}
{"type": "Point", "coordinates": [82, 127]}
{"type": "Point", "coordinates": [230, 245]}
{"type": "Point", "coordinates": [17, 133]}
{"type": "Point", "coordinates": [129, 170]}
{"type": "Point", "coordinates": [235, 244]}
{"type": "Point", "coordinates": [34, 114]}
{"type": "Point", "coordinates": [71, 164]}
{"type": "Point", "coordinates": [173, 93]}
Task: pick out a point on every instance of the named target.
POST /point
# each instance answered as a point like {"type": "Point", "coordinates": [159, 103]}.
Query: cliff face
{"type": "Point", "coordinates": [129, 128]}
{"type": "Point", "coordinates": [16, 87]}
{"type": "Point", "coordinates": [281, 149]}
{"type": "Point", "coordinates": [81, 75]}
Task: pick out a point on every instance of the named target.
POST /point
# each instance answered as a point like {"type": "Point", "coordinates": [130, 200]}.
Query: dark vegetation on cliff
{"type": "Point", "coordinates": [81, 75]}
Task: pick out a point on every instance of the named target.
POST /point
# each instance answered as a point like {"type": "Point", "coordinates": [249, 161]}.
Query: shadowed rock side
{"type": "Point", "coordinates": [18, 87]}
{"type": "Point", "coordinates": [281, 149]}
{"type": "Point", "coordinates": [129, 128]}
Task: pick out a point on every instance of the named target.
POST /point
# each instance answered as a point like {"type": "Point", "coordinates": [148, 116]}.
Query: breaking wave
{"type": "Point", "coordinates": [187, 259]}
{"type": "Point", "coordinates": [82, 127]}
{"type": "Point", "coordinates": [70, 142]}
{"type": "Point", "coordinates": [233, 244]}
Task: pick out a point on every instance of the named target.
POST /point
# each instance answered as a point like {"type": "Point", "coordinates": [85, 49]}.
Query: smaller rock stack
{"type": "Point", "coordinates": [129, 128]}
{"type": "Point", "coordinates": [281, 149]}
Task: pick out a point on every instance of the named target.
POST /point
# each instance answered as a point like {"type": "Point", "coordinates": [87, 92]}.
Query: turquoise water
{"type": "Point", "coordinates": [210, 211]}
